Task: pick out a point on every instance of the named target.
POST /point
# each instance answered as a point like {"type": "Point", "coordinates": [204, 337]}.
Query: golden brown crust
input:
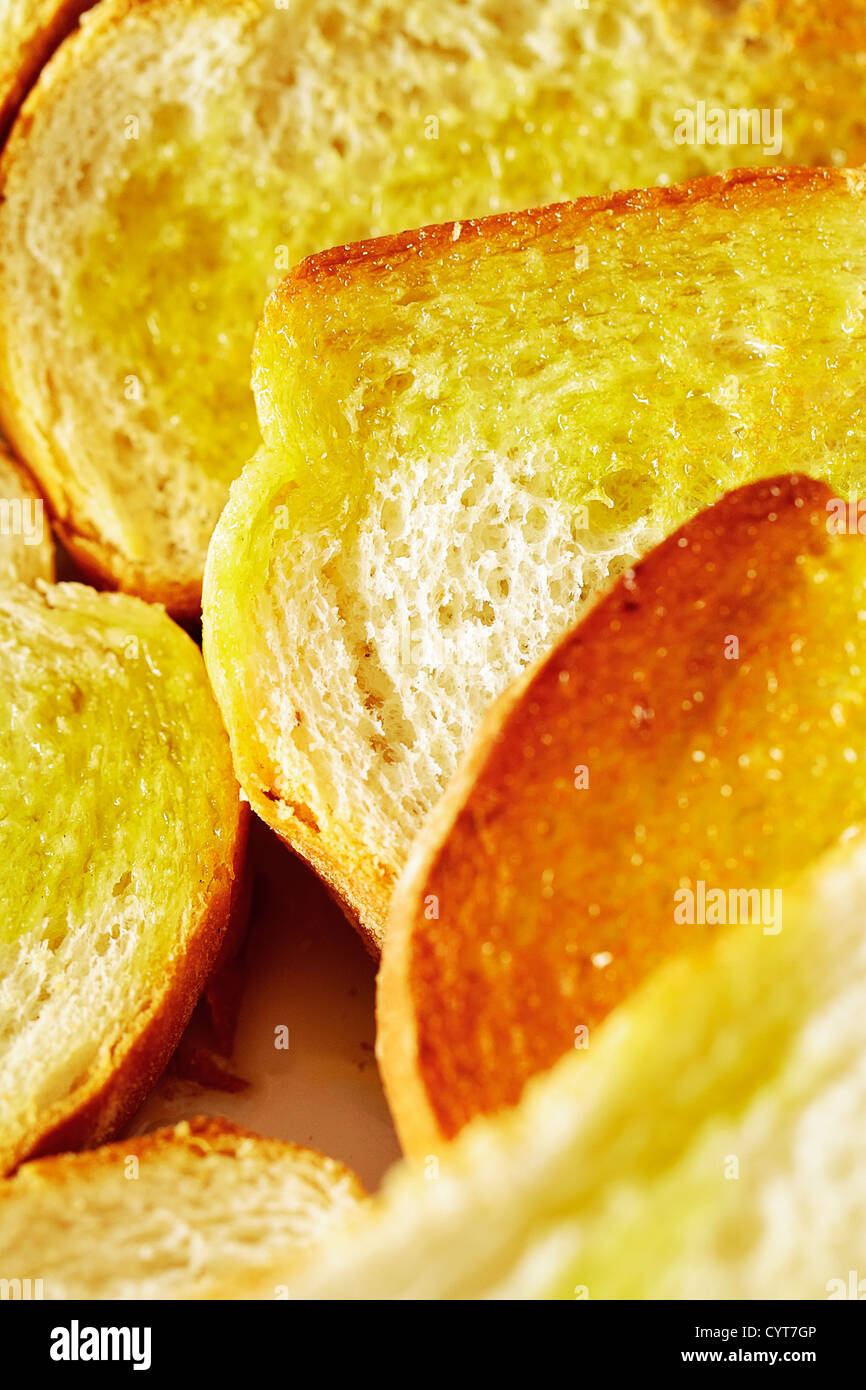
{"type": "Point", "coordinates": [311, 1190]}
{"type": "Point", "coordinates": [203, 1135]}
{"type": "Point", "coordinates": [476, 999]}
{"type": "Point", "coordinates": [26, 52]}
{"type": "Point", "coordinates": [361, 897]}
{"type": "Point", "coordinates": [98, 1110]}
{"type": "Point", "coordinates": [516, 230]}
{"type": "Point", "coordinates": [98, 563]}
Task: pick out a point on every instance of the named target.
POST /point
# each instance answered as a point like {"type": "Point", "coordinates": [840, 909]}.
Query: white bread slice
{"type": "Point", "coordinates": [169, 1214]}
{"type": "Point", "coordinates": [30, 30]}
{"type": "Point", "coordinates": [121, 839]}
{"type": "Point", "coordinates": [709, 1145]}
{"type": "Point", "coordinates": [469, 429]}
{"type": "Point", "coordinates": [26, 548]}
{"type": "Point", "coordinates": [176, 157]}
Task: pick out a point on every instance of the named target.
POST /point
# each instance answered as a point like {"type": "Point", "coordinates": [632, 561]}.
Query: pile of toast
{"type": "Point", "coordinates": [484, 384]}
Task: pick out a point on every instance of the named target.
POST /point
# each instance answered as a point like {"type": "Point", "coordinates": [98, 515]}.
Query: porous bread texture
{"type": "Point", "coordinates": [469, 429]}
{"type": "Point", "coordinates": [26, 549]}
{"type": "Point", "coordinates": [29, 32]}
{"type": "Point", "coordinates": [175, 158]}
{"type": "Point", "coordinates": [168, 1215]}
{"type": "Point", "coordinates": [371, 662]}
{"type": "Point", "coordinates": [395, 640]}
{"type": "Point", "coordinates": [615, 1178]}
{"type": "Point", "coordinates": [121, 838]}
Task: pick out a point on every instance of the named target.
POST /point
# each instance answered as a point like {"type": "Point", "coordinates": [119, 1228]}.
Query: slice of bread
{"type": "Point", "coordinates": [30, 30]}
{"type": "Point", "coordinates": [167, 1215]}
{"type": "Point", "coordinates": [469, 429]}
{"type": "Point", "coordinates": [709, 1145]}
{"type": "Point", "coordinates": [121, 838]}
{"type": "Point", "coordinates": [677, 760]}
{"type": "Point", "coordinates": [176, 158]}
{"type": "Point", "coordinates": [26, 548]}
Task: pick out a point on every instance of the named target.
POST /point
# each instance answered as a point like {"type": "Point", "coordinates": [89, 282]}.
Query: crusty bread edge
{"type": "Point", "coordinates": [201, 1136]}
{"type": "Point", "coordinates": [396, 1026]}
{"type": "Point", "coordinates": [106, 568]}
{"type": "Point", "coordinates": [341, 871]}
{"type": "Point", "coordinates": [203, 1133]}
{"type": "Point", "coordinates": [317, 273]}
{"type": "Point", "coordinates": [33, 53]}
{"type": "Point", "coordinates": [344, 885]}
{"type": "Point", "coordinates": [98, 1109]}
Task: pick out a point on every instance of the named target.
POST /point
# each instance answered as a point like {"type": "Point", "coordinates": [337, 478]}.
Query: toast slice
{"type": "Point", "coordinates": [168, 1214]}
{"type": "Point", "coordinates": [672, 766]}
{"type": "Point", "coordinates": [121, 839]}
{"type": "Point", "coordinates": [30, 30]}
{"type": "Point", "coordinates": [709, 1145]}
{"type": "Point", "coordinates": [26, 548]}
{"type": "Point", "coordinates": [469, 429]}
{"type": "Point", "coordinates": [176, 158]}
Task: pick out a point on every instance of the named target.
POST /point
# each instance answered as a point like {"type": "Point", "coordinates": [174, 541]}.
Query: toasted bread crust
{"type": "Point", "coordinates": [397, 1044]}
{"type": "Point", "coordinates": [515, 230]}
{"type": "Point", "coordinates": [28, 51]}
{"type": "Point", "coordinates": [427, 1041]}
{"type": "Point", "coordinates": [203, 1183]}
{"type": "Point", "coordinates": [97, 1111]}
{"type": "Point", "coordinates": [361, 895]}
{"type": "Point", "coordinates": [202, 1135]}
